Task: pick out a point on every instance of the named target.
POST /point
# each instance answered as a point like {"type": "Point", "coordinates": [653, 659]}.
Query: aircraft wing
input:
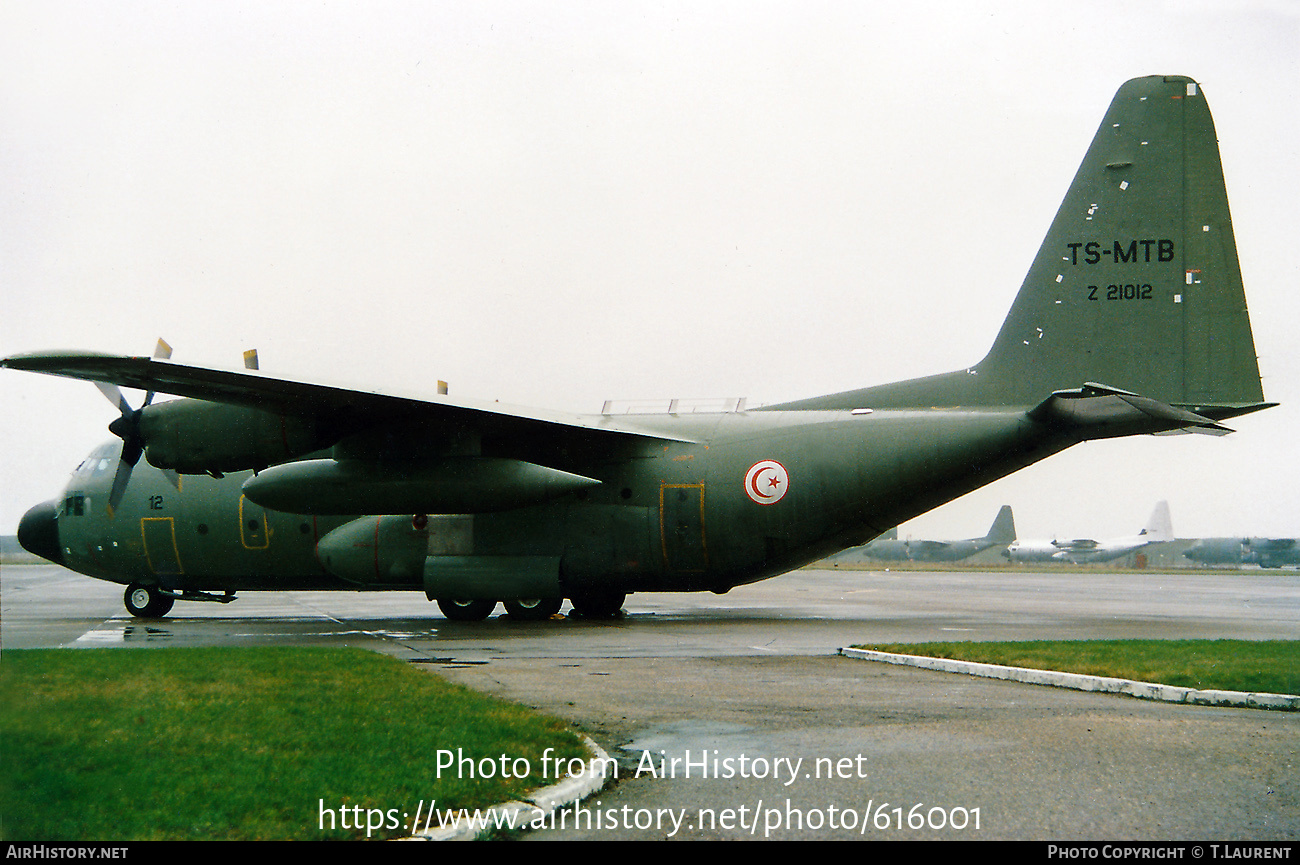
{"type": "Point", "coordinates": [289, 396]}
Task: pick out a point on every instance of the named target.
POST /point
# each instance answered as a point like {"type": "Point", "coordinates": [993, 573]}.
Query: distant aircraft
{"type": "Point", "coordinates": [1086, 550]}
{"type": "Point", "coordinates": [890, 549]}
{"type": "Point", "coordinates": [1265, 552]}
{"type": "Point", "coordinates": [1131, 320]}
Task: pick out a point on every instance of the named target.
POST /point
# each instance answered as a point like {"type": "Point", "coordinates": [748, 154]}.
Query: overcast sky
{"type": "Point", "coordinates": [557, 203]}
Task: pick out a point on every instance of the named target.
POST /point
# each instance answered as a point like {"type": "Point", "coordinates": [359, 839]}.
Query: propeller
{"type": "Point", "coordinates": [127, 428]}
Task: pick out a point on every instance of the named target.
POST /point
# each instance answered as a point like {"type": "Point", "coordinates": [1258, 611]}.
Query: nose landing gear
{"type": "Point", "coordinates": [147, 602]}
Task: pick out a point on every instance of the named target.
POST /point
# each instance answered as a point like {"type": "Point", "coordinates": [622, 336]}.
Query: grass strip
{"type": "Point", "coordinates": [231, 743]}
{"type": "Point", "coordinates": [1264, 666]}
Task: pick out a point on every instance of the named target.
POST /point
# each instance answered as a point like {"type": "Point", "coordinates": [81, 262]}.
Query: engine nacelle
{"type": "Point", "coordinates": [196, 437]}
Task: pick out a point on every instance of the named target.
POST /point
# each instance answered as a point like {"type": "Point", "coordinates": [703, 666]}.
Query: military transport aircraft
{"type": "Point", "coordinates": [1132, 320]}
{"type": "Point", "coordinates": [1265, 552]}
{"type": "Point", "coordinates": [891, 549]}
{"type": "Point", "coordinates": [1080, 551]}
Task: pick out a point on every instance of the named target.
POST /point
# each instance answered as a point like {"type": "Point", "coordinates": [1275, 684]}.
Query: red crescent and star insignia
{"type": "Point", "coordinates": [766, 482]}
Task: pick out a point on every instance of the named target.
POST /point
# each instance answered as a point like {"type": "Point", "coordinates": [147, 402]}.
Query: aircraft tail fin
{"type": "Point", "coordinates": [1159, 527]}
{"type": "Point", "coordinates": [1003, 530]}
{"type": "Point", "coordinates": [1137, 282]}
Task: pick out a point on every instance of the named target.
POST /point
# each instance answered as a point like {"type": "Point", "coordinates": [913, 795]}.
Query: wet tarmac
{"type": "Point", "coordinates": [793, 741]}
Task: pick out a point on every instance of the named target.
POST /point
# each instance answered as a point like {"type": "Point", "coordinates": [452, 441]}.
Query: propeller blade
{"type": "Point", "coordinates": [127, 428]}
{"type": "Point", "coordinates": [120, 479]}
{"type": "Point", "coordinates": [161, 351]}
{"type": "Point", "coordinates": [114, 395]}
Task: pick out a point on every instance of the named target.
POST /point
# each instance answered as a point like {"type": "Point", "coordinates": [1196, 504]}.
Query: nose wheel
{"type": "Point", "coordinates": [147, 602]}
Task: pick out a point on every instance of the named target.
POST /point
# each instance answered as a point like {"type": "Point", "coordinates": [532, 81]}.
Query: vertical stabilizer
{"type": "Point", "coordinates": [1136, 286]}
{"type": "Point", "coordinates": [1003, 530]}
{"type": "Point", "coordinates": [1137, 283]}
{"type": "Point", "coordinates": [1160, 528]}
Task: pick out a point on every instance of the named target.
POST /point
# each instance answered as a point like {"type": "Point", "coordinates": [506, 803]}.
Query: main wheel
{"type": "Point", "coordinates": [533, 609]}
{"type": "Point", "coordinates": [602, 605]}
{"type": "Point", "coordinates": [146, 602]}
{"type": "Point", "coordinates": [466, 611]}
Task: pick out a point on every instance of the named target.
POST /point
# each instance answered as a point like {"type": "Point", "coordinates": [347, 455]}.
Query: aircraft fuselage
{"type": "Point", "coordinates": [753, 495]}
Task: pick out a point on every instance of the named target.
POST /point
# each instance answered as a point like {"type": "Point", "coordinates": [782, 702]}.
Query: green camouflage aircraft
{"type": "Point", "coordinates": [889, 548]}
{"type": "Point", "coordinates": [1265, 552]}
{"type": "Point", "coordinates": [1132, 320]}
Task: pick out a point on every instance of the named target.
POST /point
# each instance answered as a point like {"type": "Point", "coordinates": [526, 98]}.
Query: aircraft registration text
{"type": "Point", "coordinates": [1121, 292]}
{"type": "Point", "coordinates": [1135, 252]}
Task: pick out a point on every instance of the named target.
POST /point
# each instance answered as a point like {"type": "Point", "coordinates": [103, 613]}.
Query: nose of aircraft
{"type": "Point", "coordinates": [38, 532]}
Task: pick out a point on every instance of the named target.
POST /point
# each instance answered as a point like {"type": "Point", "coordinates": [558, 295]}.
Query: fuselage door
{"type": "Point", "coordinates": [254, 532]}
{"type": "Point", "coordinates": [681, 527]}
{"type": "Point", "coordinates": [159, 535]}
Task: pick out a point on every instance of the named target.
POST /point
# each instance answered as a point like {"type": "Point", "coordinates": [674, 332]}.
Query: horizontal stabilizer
{"type": "Point", "coordinates": [1099, 411]}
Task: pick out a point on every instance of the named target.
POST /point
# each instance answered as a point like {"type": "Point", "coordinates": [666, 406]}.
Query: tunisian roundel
{"type": "Point", "coordinates": [766, 482]}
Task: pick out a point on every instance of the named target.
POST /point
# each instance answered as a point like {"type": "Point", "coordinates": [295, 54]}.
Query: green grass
{"type": "Point", "coordinates": [129, 744]}
{"type": "Point", "coordinates": [1270, 666]}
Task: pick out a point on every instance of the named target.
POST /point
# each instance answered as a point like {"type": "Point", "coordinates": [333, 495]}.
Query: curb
{"type": "Point", "coordinates": [575, 788]}
{"type": "Point", "coordinates": [1080, 682]}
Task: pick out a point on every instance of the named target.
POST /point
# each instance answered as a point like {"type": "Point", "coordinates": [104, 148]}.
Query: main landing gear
{"type": "Point", "coordinates": [466, 611]}
{"type": "Point", "coordinates": [533, 609]}
{"type": "Point", "coordinates": [601, 605]}
{"type": "Point", "coordinates": [521, 609]}
{"type": "Point", "coordinates": [593, 606]}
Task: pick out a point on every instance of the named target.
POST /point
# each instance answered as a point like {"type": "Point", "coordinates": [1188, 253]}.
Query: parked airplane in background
{"type": "Point", "coordinates": [1081, 551]}
{"type": "Point", "coordinates": [1265, 552]}
{"type": "Point", "coordinates": [890, 549]}
{"type": "Point", "coordinates": [265, 483]}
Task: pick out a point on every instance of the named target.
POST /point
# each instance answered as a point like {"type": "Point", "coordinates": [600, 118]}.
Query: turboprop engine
{"type": "Point", "coordinates": [197, 437]}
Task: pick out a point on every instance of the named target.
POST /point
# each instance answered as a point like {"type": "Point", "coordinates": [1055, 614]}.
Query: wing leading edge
{"type": "Point", "coordinates": [307, 399]}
